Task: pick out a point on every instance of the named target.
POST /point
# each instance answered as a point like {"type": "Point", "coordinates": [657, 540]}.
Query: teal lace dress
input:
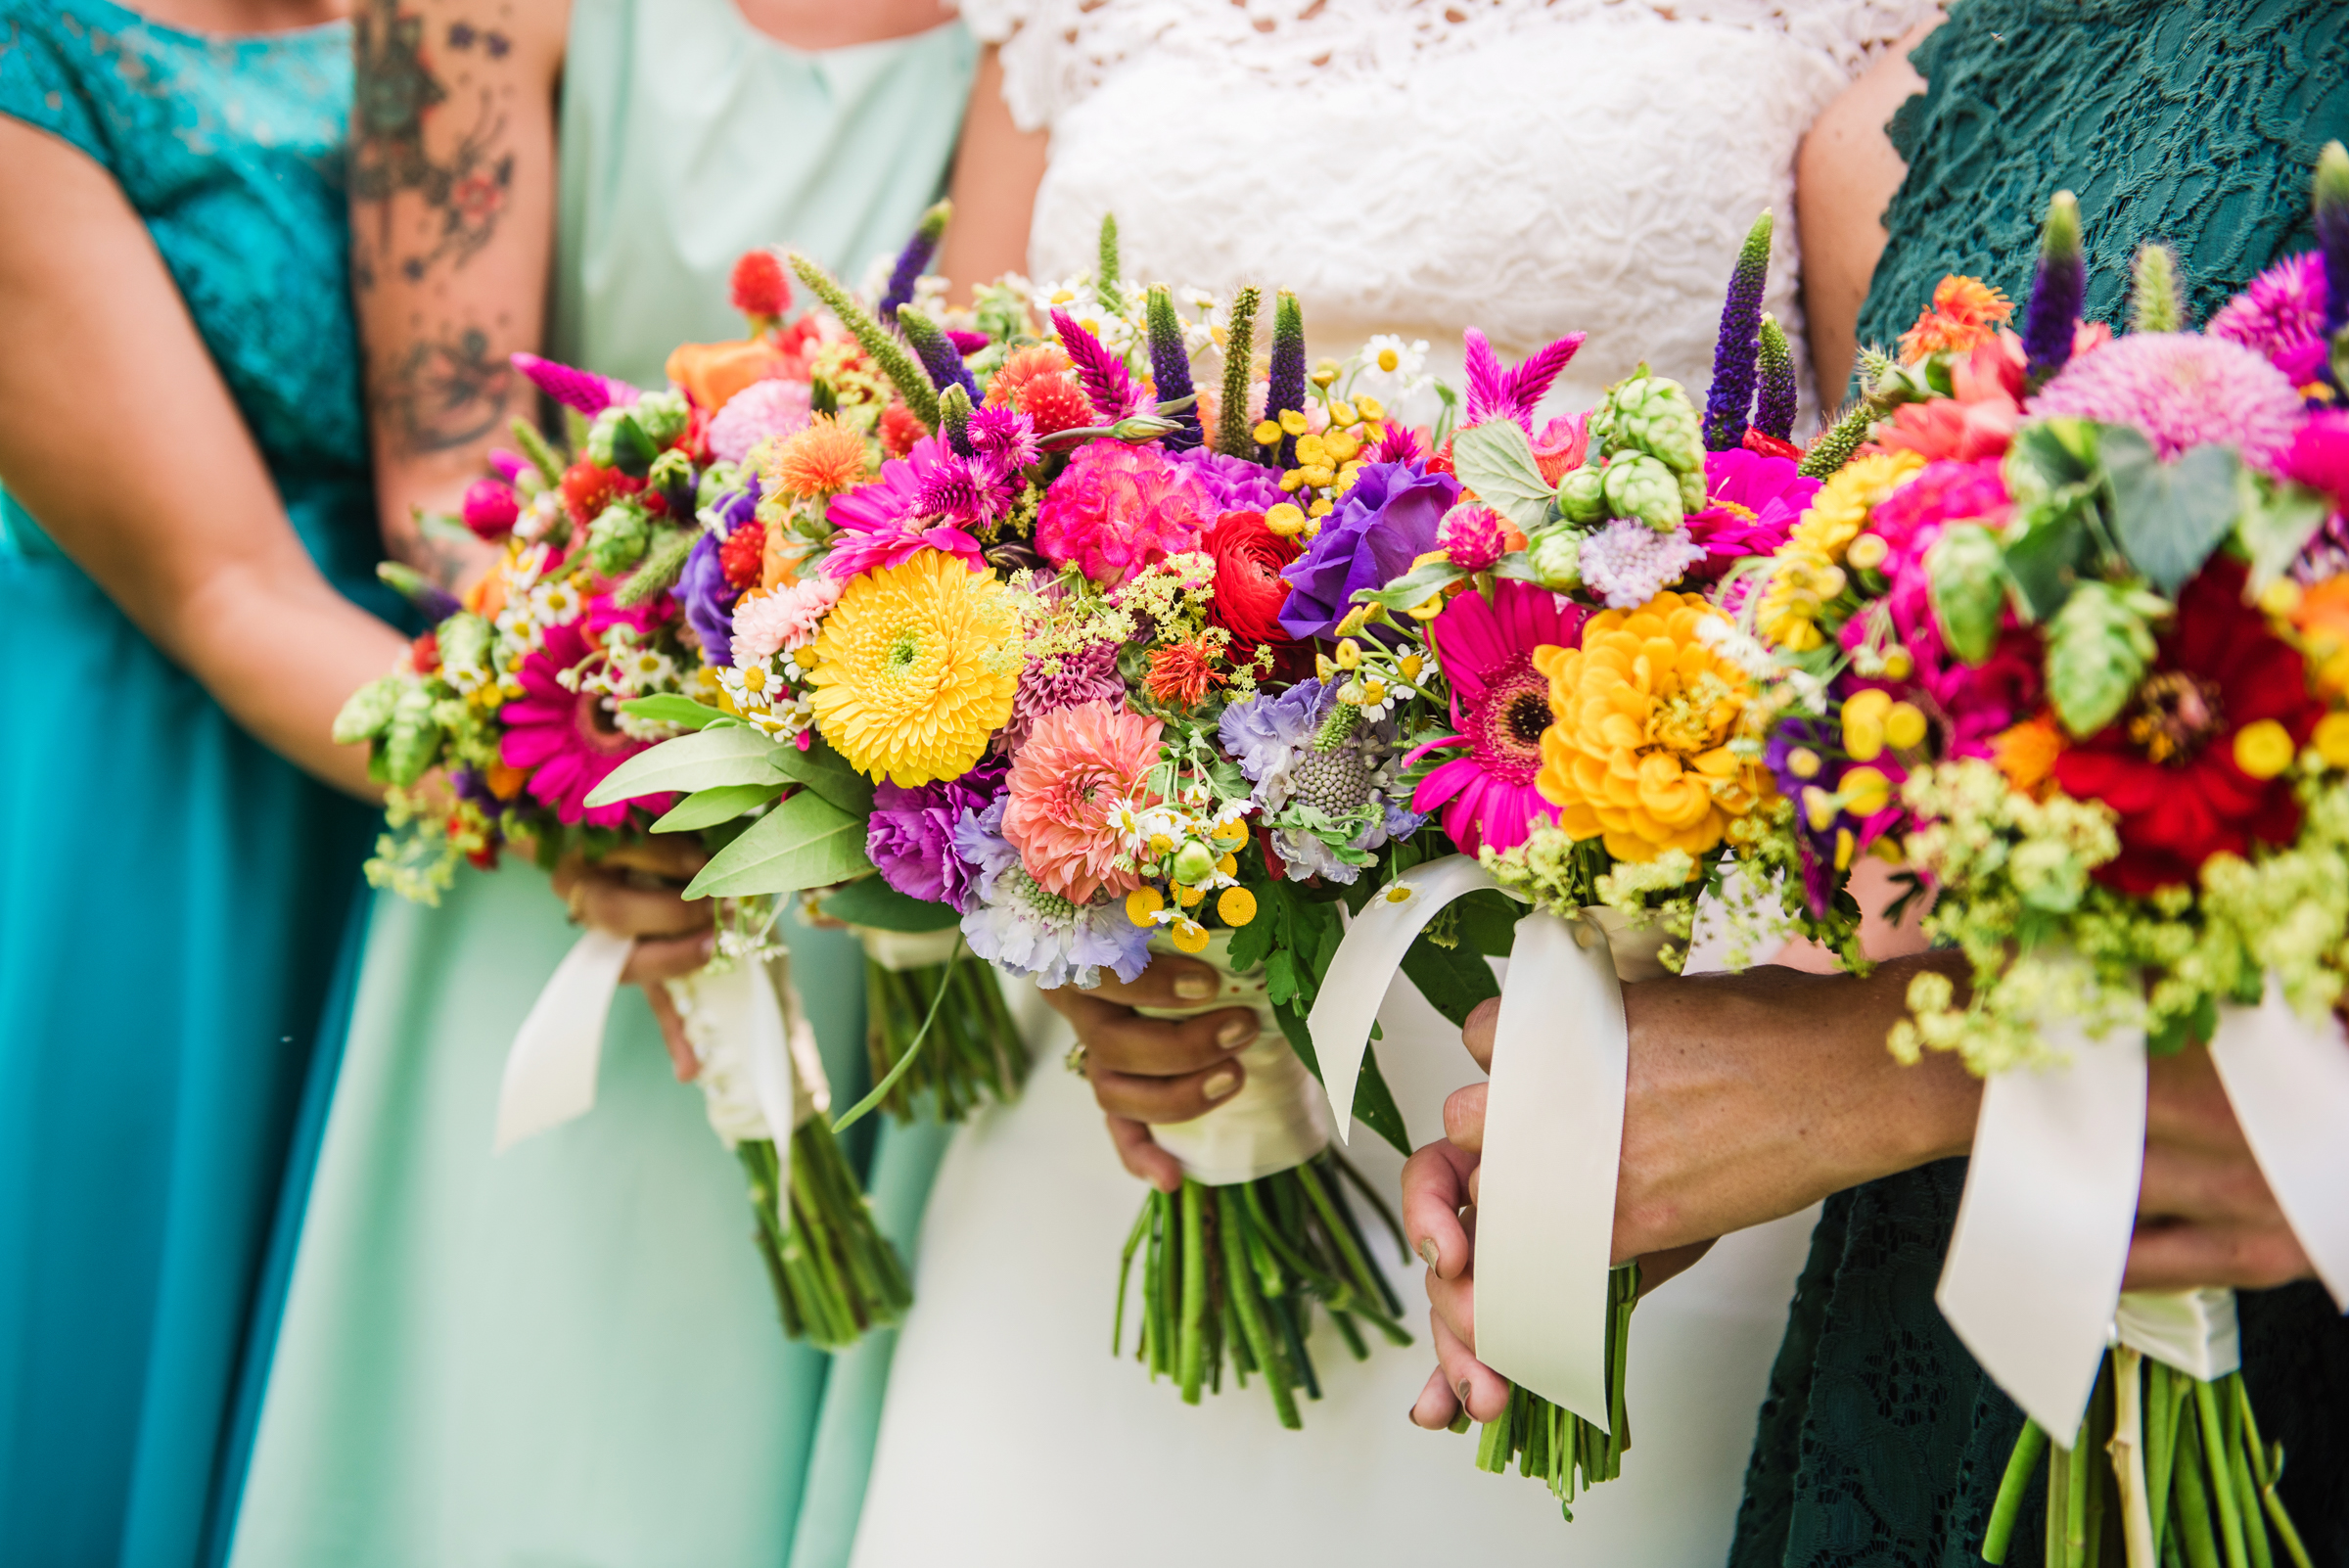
{"type": "Point", "coordinates": [1881, 1442]}
{"type": "Point", "coordinates": [172, 895]}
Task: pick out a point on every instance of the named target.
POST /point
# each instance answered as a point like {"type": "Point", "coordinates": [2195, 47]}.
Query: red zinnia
{"type": "Point", "coordinates": [2167, 765]}
{"type": "Point", "coordinates": [1249, 588]}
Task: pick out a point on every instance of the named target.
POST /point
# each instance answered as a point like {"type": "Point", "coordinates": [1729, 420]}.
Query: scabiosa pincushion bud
{"type": "Point", "coordinates": [1775, 403]}
{"type": "Point", "coordinates": [1731, 394]}
{"type": "Point", "coordinates": [490, 508]}
{"type": "Point", "coordinates": [2056, 290]}
{"type": "Point", "coordinates": [1639, 487]}
{"type": "Point", "coordinates": [760, 288]}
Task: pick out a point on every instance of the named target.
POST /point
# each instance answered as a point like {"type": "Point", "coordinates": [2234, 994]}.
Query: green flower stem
{"type": "Point", "coordinates": [2200, 1546]}
{"type": "Point", "coordinates": [2268, 1470]}
{"type": "Point", "coordinates": [1134, 1241]}
{"type": "Point", "coordinates": [2059, 1489]}
{"type": "Point", "coordinates": [2029, 1449]}
{"type": "Point", "coordinates": [2161, 1445]}
{"type": "Point", "coordinates": [1239, 1276]}
{"type": "Point", "coordinates": [905, 1065]}
{"type": "Point", "coordinates": [1191, 1359]}
{"type": "Point", "coordinates": [2222, 1479]}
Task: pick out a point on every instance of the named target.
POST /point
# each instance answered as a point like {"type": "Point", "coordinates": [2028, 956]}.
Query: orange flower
{"type": "Point", "coordinates": [504, 782]}
{"type": "Point", "coordinates": [824, 459]}
{"type": "Point", "coordinates": [713, 372]}
{"type": "Point", "coordinates": [1179, 675]}
{"type": "Point", "coordinates": [1021, 366]}
{"type": "Point", "coordinates": [1965, 311]}
{"type": "Point", "coordinates": [488, 595]}
{"type": "Point", "coordinates": [2026, 753]}
{"type": "Point", "coordinates": [2322, 619]}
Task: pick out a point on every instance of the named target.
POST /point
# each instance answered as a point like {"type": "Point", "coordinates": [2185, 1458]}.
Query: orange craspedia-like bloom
{"type": "Point", "coordinates": [822, 460]}
{"type": "Point", "coordinates": [1181, 674]}
{"type": "Point", "coordinates": [1637, 753]}
{"type": "Point", "coordinates": [2026, 753]}
{"type": "Point", "coordinates": [1964, 311]}
{"type": "Point", "coordinates": [2322, 618]}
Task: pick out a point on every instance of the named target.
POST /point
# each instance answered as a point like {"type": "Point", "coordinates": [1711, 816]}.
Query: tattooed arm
{"type": "Point", "coordinates": [452, 203]}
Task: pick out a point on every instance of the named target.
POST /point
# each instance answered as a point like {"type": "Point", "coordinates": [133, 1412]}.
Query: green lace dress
{"type": "Point", "coordinates": [1881, 1441]}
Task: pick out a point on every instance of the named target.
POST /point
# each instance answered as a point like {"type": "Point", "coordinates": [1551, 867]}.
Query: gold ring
{"type": "Point", "coordinates": [1074, 1060]}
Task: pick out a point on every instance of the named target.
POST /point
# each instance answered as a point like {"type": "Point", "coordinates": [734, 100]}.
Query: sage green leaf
{"type": "Point", "coordinates": [734, 754]}
{"type": "Point", "coordinates": [871, 901]}
{"type": "Point", "coordinates": [708, 808]}
{"type": "Point", "coordinates": [1415, 587]}
{"type": "Point", "coordinates": [2098, 646]}
{"type": "Point", "coordinates": [1496, 460]}
{"type": "Point", "coordinates": [1453, 980]}
{"type": "Point", "coordinates": [1969, 588]}
{"type": "Point", "coordinates": [670, 708]}
{"type": "Point", "coordinates": [2276, 524]}
{"type": "Point", "coordinates": [826, 772]}
{"type": "Point", "coordinates": [2170, 516]}
{"type": "Point", "coordinates": [2046, 557]}
{"type": "Point", "coordinates": [807, 842]}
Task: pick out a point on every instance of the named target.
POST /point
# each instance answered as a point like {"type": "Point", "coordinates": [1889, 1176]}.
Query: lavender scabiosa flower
{"type": "Point", "coordinates": [1317, 798]}
{"type": "Point", "coordinates": [1285, 392]}
{"type": "Point", "coordinates": [911, 839]}
{"type": "Point", "coordinates": [2058, 288]}
{"type": "Point", "coordinates": [1627, 562]}
{"type": "Point", "coordinates": [1171, 367]}
{"type": "Point", "coordinates": [1775, 402]}
{"type": "Point", "coordinates": [1012, 920]}
{"type": "Point", "coordinates": [1513, 392]}
{"type": "Point", "coordinates": [1047, 686]}
{"type": "Point", "coordinates": [941, 361]}
{"type": "Point", "coordinates": [1731, 395]}
{"type": "Point", "coordinates": [582, 389]}
{"type": "Point", "coordinates": [913, 261]}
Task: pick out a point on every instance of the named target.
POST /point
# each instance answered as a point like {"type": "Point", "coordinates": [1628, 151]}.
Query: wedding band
{"type": "Point", "coordinates": [1074, 1060]}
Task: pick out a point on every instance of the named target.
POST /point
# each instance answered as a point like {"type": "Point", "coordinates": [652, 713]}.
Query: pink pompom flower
{"type": "Point", "coordinates": [1118, 509]}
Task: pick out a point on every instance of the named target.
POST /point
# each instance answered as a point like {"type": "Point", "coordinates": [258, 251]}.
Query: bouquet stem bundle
{"type": "Point", "coordinates": [1550, 1442]}
{"type": "Point", "coordinates": [835, 1275]}
{"type": "Point", "coordinates": [1234, 1270]}
{"type": "Point", "coordinates": [2188, 1480]}
{"type": "Point", "coordinates": [975, 1053]}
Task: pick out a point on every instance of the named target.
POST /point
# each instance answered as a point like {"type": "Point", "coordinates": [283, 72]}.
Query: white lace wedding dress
{"type": "Point", "coordinates": [1417, 169]}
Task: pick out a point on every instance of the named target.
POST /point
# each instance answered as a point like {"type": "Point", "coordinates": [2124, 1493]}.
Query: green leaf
{"type": "Point", "coordinates": [734, 754]}
{"type": "Point", "coordinates": [871, 901]}
{"type": "Point", "coordinates": [2277, 523]}
{"type": "Point", "coordinates": [670, 708]}
{"type": "Point", "coordinates": [1489, 922]}
{"type": "Point", "coordinates": [807, 842]}
{"type": "Point", "coordinates": [828, 773]}
{"type": "Point", "coordinates": [2055, 453]}
{"type": "Point", "coordinates": [1414, 586]}
{"type": "Point", "coordinates": [2170, 516]}
{"type": "Point", "coordinates": [2047, 558]}
{"type": "Point", "coordinates": [1453, 980]}
{"type": "Point", "coordinates": [1496, 460]}
{"type": "Point", "coordinates": [1373, 1101]}
{"type": "Point", "coordinates": [708, 808]}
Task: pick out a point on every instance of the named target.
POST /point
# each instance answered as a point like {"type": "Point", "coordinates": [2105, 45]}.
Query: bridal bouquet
{"type": "Point", "coordinates": [2067, 639]}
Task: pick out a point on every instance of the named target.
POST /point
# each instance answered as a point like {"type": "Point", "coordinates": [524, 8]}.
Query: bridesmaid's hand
{"type": "Point", "coordinates": [2204, 1214]}
{"type": "Point", "coordinates": [637, 890]}
{"type": "Point", "coordinates": [1147, 1070]}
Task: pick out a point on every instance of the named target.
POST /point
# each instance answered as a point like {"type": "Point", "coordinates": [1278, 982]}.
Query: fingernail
{"type": "Point", "coordinates": [1236, 1031]}
{"type": "Point", "coordinates": [1427, 1250]}
{"type": "Point", "coordinates": [1193, 986]}
{"type": "Point", "coordinates": [1462, 1392]}
{"type": "Point", "coordinates": [1220, 1084]}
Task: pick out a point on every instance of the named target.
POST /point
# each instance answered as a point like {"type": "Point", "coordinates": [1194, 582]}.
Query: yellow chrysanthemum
{"type": "Point", "coordinates": [915, 668]}
{"type": "Point", "coordinates": [1809, 569]}
{"type": "Point", "coordinates": [1637, 754]}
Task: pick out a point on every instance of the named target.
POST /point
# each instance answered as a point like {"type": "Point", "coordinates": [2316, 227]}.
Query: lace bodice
{"type": "Point", "coordinates": [1424, 165]}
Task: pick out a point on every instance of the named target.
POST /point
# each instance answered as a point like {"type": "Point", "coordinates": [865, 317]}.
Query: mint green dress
{"type": "Point", "coordinates": [569, 1355]}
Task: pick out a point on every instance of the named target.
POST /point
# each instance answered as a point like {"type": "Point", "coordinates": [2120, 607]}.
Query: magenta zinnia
{"type": "Point", "coordinates": [1500, 705]}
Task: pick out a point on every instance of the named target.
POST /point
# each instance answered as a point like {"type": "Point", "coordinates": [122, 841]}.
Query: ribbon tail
{"type": "Point", "coordinates": [551, 1068]}
{"type": "Point", "coordinates": [2288, 1081]}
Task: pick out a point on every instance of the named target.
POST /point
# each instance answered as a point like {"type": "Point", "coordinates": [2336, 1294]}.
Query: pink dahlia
{"type": "Point", "coordinates": [2280, 315]}
{"type": "Point", "coordinates": [1047, 686]}
{"type": "Point", "coordinates": [2181, 389]}
{"type": "Point", "coordinates": [1500, 705]}
{"type": "Point", "coordinates": [1752, 502]}
{"type": "Point", "coordinates": [762, 409]}
{"type": "Point", "coordinates": [883, 523]}
{"type": "Point", "coordinates": [566, 741]}
{"type": "Point", "coordinates": [1117, 509]}
{"type": "Point", "coordinates": [1079, 766]}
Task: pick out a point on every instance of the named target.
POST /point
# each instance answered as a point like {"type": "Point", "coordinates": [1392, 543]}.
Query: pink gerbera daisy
{"type": "Point", "coordinates": [564, 740]}
{"type": "Point", "coordinates": [1500, 705]}
{"type": "Point", "coordinates": [883, 523]}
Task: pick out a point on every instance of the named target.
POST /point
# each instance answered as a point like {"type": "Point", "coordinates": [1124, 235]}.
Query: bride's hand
{"type": "Point", "coordinates": [1147, 1070]}
{"type": "Point", "coordinates": [637, 890]}
{"type": "Point", "coordinates": [2204, 1214]}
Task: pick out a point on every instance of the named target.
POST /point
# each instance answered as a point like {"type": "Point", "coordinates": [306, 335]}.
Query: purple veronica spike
{"type": "Point", "coordinates": [1101, 373]}
{"type": "Point", "coordinates": [582, 389]}
{"type": "Point", "coordinates": [914, 261]}
{"type": "Point", "coordinates": [1498, 393]}
{"type": "Point", "coordinates": [1736, 352]}
{"type": "Point", "coordinates": [2057, 291]}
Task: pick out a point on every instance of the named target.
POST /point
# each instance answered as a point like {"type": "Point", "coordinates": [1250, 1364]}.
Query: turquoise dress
{"type": "Point", "coordinates": [569, 1355]}
{"type": "Point", "coordinates": [1881, 1442]}
{"type": "Point", "coordinates": [172, 895]}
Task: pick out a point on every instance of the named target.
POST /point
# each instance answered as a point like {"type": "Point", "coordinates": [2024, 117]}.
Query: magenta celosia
{"type": "Point", "coordinates": [2181, 389]}
{"type": "Point", "coordinates": [1118, 508]}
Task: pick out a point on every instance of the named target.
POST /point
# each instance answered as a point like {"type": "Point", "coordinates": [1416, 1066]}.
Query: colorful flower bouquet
{"type": "Point", "coordinates": [2065, 640]}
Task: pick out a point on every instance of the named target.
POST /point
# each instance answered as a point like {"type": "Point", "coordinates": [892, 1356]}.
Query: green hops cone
{"type": "Point", "coordinates": [411, 739]}
{"type": "Point", "coordinates": [1582, 496]}
{"type": "Point", "coordinates": [2155, 302]}
{"type": "Point", "coordinates": [367, 712]}
{"type": "Point", "coordinates": [1641, 486]}
{"type": "Point", "coordinates": [1692, 491]}
{"type": "Point", "coordinates": [2098, 645]}
{"type": "Point", "coordinates": [878, 341]}
{"type": "Point", "coordinates": [1232, 435]}
{"type": "Point", "coordinates": [662, 416]}
{"type": "Point", "coordinates": [464, 642]}
{"type": "Point", "coordinates": [1967, 574]}
{"type": "Point", "coordinates": [1556, 560]}
{"type": "Point", "coordinates": [1652, 414]}
{"type": "Point", "coordinates": [616, 539]}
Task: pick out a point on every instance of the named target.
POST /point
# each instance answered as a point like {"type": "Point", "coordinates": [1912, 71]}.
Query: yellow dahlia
{"type": "Point", "coordinates": [914, 669]}
{"type": "Point", "coordinates": [1637, 754]}
{"type": "Point", "coordinates": [1809, 569]}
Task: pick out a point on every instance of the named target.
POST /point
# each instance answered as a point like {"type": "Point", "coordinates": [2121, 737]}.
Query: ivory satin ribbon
{"type": "Point", "coordinates": [2288, 1081]}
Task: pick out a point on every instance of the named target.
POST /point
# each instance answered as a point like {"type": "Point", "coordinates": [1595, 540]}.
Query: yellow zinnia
{"type": "Point", "coordinates": [1637, 753]}
{"type": "Point", "coordinates": [914, 669]}
{"type": "Point", "coordinates": [1809, 569]}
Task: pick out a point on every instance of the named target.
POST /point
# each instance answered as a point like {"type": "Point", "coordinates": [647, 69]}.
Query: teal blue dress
{"type": "Point", "coordinates": [172, 895]}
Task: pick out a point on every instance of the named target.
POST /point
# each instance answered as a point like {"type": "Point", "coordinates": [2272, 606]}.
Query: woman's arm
{"type": "Point", "coordinates": [1845, 175]}
{"type": "Point", "coordinates": [123, 441]}
{"type": "Point", "coordinates": [996, 171]}
{"type": "Point", "coordinates": [452, 212]}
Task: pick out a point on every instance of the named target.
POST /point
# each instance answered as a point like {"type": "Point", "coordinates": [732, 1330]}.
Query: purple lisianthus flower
{"type": "Point", "coordinates": [709, 598]}
{"type": "Point", "coordinates": [1378, 528]}
{"type": "Point", "coordinates": [1015, 922]}
{"type": "Point", "coordinates": [910, 838]}
{"type": "Point", "coordinates": [1236, 483]}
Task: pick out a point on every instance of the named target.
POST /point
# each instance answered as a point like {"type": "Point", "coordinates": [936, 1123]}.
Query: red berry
{"type": "Point", "coordinates": [760, 287]}
{"type": "Point", "coordinates": [743, 555]}
{"type": "Point", "coordinates": [900, 429]}
{"type": "Point", "coordinates": [424, 654]}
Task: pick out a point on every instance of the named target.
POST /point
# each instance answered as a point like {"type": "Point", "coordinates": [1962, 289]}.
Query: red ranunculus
{"type": "Point", "coordinates": [1249, 592]}
{"type": "Point", "coordinates": [2167, 765]}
